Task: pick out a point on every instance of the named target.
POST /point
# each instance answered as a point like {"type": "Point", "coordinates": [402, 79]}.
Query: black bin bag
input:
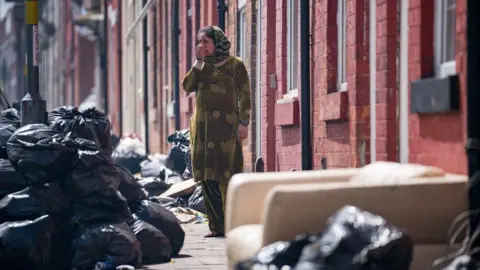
{"type": "Point", "coordinates": [129, 186]}
{"type": "Point", "coordinates": [90, 124]}
{"type": "Point", "coordinates": [9, 122]}
{"type": "Point", "coordinates": [10, 180]}
{"type": "Point", "coordinates": [156, 247]}
{"type": "Point", "coordinates": [154, 186]}
{"type": "Point", "coordinates": [100, 208]}
{"type": "Point", "coordinates": [34, 244]}
{"type": "Point", "coordinates": [356, 239]}
{"type": "Point", "coordinates": [113, 243]}
{"type": "Point", "coordinates": [40, 153]}
{"type": "Point", "coordinates": [20, 205]}
{"type": "Point", "coordinates": [92, 171]}
{"type": "Point", "coordinates": [162, 219]}
{"type": "Point", "coordinates": [33, 202]}
{"type": "Point", "coordinates": [277, 255]}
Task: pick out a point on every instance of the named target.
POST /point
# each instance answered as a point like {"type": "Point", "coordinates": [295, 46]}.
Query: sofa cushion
{"type": "Point", "coordinates": [244, 242]}
{"type": "Point", "coordinates": [392, 172]}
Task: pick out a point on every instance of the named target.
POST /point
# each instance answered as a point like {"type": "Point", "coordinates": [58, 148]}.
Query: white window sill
{"type": "Point", "coordinates": [292, 94]}
{"type": "Point", "coordinates": [447, 69]}
{"type": "Point", "coordinates": [171, 109]}
{"type": "Point", "coordinates": [342, 87]}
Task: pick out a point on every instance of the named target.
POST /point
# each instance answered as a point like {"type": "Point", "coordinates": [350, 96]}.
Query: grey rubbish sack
{"type": "Point", "coordinates": [196, 201]}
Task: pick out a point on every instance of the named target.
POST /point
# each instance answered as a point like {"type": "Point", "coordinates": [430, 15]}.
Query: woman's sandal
{"type": "Point", "coordinates": [213, 234]}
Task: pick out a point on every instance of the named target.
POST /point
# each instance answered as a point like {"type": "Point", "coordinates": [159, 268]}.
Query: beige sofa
{"type": "Point", "coordinates": [266, 207]}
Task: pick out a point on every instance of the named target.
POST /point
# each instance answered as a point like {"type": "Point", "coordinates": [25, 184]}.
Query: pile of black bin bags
{"type": "Point", "coordinates": [65, 205]}
{"type": "Point", "coordinates": [352, 240]}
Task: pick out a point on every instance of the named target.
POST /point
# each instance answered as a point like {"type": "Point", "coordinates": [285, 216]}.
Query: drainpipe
{"type": "Point", "coordinates": [120, 64]}
{"type": "Point", "coordinates": [473, 112]}
{"type": "Point", "coordinates": [305, 84]}
{"type": "Point", "coordinates": [175, 61]}
{"type": "Point", "coordinates": [404, 85]}
{"type": "Point", "coordinates": [373, 81]}
{"type": "Point", "coordinates": [105, 57]}
{"type": "Point", "coordinates": [221, 8]}
{"type": "Point", "coordinates": [145, 81]}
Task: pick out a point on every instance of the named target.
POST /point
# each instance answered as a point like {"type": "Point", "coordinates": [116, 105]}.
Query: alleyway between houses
{"type": "Point", "coordinates": [198, 252]}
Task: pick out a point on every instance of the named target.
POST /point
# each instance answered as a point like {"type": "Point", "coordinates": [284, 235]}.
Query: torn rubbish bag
{"type": "Point", "coordinates": [10, 180]}
{"type": "Point", "coordinates": [40, 153]}
{"type": "Point", "coordinates": [90, 124]}
{"type": "Point", "coordinates": [156, 247]}
{"type": "Point", "coordinates": [112, 243]}
{"type": "Point", "coordinates": [162, 219]}
{"type": "Point", "coordinates": [357, 239]}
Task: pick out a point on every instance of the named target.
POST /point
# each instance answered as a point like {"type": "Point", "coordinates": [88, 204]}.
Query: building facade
{"type": "Point", "coordinates": [366, 75]}
{"type": "Point", "coordinates": [52, 66]}
{"type": "Point", "coordinates": [11, 54]}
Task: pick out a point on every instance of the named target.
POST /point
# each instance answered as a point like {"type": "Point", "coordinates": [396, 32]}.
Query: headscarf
{"type": "Point", "coordinates": [221, 43]}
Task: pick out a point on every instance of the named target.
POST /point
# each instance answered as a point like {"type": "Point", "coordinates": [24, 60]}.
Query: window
{"type": "Point", "coordinates": [292, 45]}
{"type": "Point", "coordinates": [166, 49]}
{"type": "Point", "coordinates": [342, 45]}
{"type": "Point", "coordinates": [445, 37]}
{"type": "Point", "coordinates": [155, 54]}
{"type": "Point", "coordinates": [241, 37]}
{"type": "Point", "coordinates": [189, 35]}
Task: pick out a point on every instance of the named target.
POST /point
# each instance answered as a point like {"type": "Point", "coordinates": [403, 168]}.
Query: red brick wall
{"type": "Point", "coordinates": [268, 93]}
{"type": "Point", "coordinates": [436, 139]}
{"type": "Point", "coordinates": [387, 87]}
{"type": "Point", "coordinates": [114, 65]}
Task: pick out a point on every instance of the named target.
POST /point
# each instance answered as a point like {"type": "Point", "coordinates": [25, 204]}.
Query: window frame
{"type": "Point", "coordinates": [292, 46]}
{"type": "Point", "coordinates": [443, 67]}
{"type": "Point", "coordinates": [241, 37]}
{"type": "Point", "coordinates": [342, 45]}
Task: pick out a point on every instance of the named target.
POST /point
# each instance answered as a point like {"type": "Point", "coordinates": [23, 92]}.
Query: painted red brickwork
{"type": "Point", "coordinates": [436, 139]}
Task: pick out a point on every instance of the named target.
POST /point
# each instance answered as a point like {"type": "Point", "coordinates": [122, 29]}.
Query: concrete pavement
{"type": "Point", "coordinates": [198, 252]}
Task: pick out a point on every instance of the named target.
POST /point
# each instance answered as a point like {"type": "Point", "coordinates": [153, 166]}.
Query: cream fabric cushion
{"type": "Point", "coordinates": [244, 242]}
{"type": "Point", "coordinates": [391, 172]}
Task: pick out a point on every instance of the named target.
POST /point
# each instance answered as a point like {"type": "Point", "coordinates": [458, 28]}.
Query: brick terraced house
{"type": "Point", "coordinates": [372, 85]}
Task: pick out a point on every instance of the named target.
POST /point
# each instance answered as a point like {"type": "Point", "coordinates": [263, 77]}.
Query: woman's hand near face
{"type": "Point", "coordinates": [200, 51]}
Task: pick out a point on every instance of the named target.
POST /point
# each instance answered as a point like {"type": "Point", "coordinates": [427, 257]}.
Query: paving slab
{"type": "Point", "coordinates": [198, 252]}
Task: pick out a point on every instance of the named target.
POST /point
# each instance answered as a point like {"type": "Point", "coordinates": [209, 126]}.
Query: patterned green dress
{"type": "Point", "coordinates": [222, 101]}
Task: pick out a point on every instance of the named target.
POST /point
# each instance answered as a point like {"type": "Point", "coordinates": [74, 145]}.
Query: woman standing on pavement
{"type": "Point", "coordinates": [220, 121]}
